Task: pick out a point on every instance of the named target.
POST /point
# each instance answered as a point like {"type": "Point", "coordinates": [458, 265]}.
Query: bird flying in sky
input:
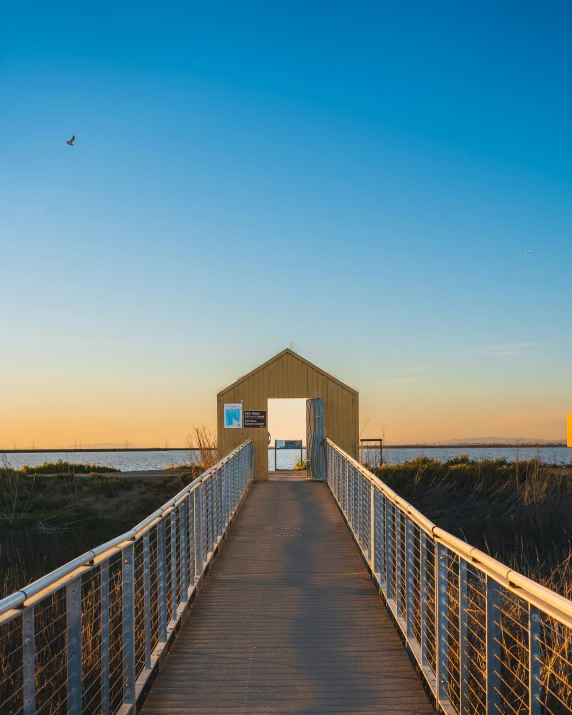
{"type": "Point", "coordinates": [71, 141]}
{"type": "Point", "coordinates": [527, 251]}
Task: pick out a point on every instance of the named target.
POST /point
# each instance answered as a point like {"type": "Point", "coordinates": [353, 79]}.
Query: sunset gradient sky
{"type": "Point", "coordinates": [357, 180]}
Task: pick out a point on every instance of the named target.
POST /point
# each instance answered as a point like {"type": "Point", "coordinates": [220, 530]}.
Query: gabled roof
{"type": "Point", "coordinates": [294, 355]}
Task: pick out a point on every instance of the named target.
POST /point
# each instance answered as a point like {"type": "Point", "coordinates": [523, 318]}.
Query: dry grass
{"type": "Point", "coordinates": [206, 443]}
{"type": "Point", "coordinates": [521, 514]}
{"type": "Point", "coordinates": [106, 507]}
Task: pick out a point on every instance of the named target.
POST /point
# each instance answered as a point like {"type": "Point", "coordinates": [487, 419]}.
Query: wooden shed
{"type": "Point", "coordinates": [288, 375]}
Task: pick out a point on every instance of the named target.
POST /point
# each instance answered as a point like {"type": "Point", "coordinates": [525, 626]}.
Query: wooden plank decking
{"type": "Point", "coordinates": [288, 621]}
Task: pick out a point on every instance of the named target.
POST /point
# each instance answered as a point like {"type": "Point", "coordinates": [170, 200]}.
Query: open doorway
{"type": "Point", "coordinates": [286, 433]}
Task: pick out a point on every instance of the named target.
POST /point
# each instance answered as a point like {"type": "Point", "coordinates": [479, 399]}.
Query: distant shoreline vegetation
{"type": "Point", "coordinates": [61, 468]}
{"type": "Point", "coordinates": [525, 444]}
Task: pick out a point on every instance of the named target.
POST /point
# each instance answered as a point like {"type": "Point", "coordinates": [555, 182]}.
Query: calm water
{"type": "Point", "coordinates": [551, 455]}
{"type": "Point", "coordinates": [286, 459]}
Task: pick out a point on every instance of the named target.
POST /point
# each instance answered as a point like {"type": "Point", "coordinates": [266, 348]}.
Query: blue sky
{"type": "Point", "coordinates": [358, 180]}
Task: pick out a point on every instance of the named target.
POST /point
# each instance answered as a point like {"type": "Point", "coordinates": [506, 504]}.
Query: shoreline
{"type": "Point", "coordinates": [462, 445]}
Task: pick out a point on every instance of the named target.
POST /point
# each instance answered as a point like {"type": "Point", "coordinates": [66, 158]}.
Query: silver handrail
{"type": "Point", "coordinates": [486, 638]}
{"type": "Point", "coordinates": [88, 637]}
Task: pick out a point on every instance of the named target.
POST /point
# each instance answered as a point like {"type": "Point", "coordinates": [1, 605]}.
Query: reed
{"type": "Point", "coordinates": [206, 444]}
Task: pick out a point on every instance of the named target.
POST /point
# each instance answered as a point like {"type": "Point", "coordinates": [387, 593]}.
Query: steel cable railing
{"type": "Point", "coordinates": [487, 639]}
{"type": "Point", "coordinates": [87, 637]}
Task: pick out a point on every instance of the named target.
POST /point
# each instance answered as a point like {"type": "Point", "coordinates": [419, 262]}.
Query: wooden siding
{"type": "Point", "coordinates": [288, 375]}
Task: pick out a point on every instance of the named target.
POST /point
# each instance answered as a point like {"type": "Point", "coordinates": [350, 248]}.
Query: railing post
{"type": "Point", "coordinates": [372, 529]}
{"type": "Point", "coordinates": [346, 472]}
{"type": "Point", "coordinates": [183, 532]}
{"type": "Point", "coordinates": [104, 571]}
{"type": "Point", "coordinates": [336, 489]}
{"type": "Point", "coordinates": [235, 483]}
{"type": "Point", "coordinates": [209, 512]}
{"type": "Point", "coordinates": [463, 657]}
{"type": "Point", "coordinates": [29, 653]}
{"type": "Point", "coordinates": [355, 500]}
{"type": "Point", "coordinates": [214, 503]}
{"type": "Point", "coordinates": [220, 520]}
{"type": "Point", "coordinates": [214, 507]}
{"type": "Point", "coordinates": [398, 561]}
{"type": "Point", "coordinates": [442, 606]}
{"type": "Point", "coordinates": [192, 538]}
{"type": "Point", "coordinates": [173, 517]}
{"type": "Point", "coordinates": [365, 503]}
{"type": "Point", "coordinates": [410, 577]}
{"type": "Point", "coordinates": [199, 528]}
{"type": "Point", "coordinates": [389, 547]}
{"type": "Point", "coordinates": [360, 508]}
{"type": "Point", "coordinates": [332, 463]}
{"type": "Point", "coordinates": [533, 660]}
{"type": "Point", "coordinates": [147, 596]}
{"type": "Point", "coordinates": [424, 587]}
{"type": "Point", "coordinates": [343, 472]}
{"type": "Point", "coordinates": [351, 474]}
{"type": "Point", "coordinates": [162, 578]}
{"type": "Point", "coordinates": [343, 477]}
{"type": "Point", "coordinates": [493, 644]}
{"type": "Point", "coordinates": [73, 618]}
{"type": "Point", "coordinates": [128, 595]}
{"type": "Point", "coordinates": [380, 548]}
{"type": "Point", "coordinates": [225, 495]}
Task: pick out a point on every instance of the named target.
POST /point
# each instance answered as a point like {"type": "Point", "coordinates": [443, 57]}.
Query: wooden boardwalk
{"type": "Point", "coordinates": [288, 621]}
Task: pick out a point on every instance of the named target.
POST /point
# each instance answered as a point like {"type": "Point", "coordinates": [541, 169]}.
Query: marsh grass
{"type": "Point", "coordinates": [521, 514]}
{"type": "Point", "coordinates": [518, 512]}
{"type": "Point", "coordinates": [46, 521]}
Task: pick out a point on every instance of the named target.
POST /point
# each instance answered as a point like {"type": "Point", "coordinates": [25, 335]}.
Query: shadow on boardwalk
{"type": "Point", "coordinates": [288, 621]}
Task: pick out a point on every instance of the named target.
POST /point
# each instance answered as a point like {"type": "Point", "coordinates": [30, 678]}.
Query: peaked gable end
{"type": "Point", "coordinates": [278, 360]}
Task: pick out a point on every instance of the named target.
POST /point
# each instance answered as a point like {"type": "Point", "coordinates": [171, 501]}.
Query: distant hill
{"type": "Point", "coordinates": [504, 440]}
{"type": "Point", "coordinates": [104, 445]}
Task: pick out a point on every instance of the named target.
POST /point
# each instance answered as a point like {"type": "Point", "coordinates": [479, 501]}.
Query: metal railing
{"type": "Point", "coordinates": [88, 637]}
{"type": "Point", "coordinates": [487, 639]}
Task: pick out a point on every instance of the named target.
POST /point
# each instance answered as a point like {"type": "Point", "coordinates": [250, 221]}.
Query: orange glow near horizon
{"type": "Point", "coordinates": [167, 417]}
